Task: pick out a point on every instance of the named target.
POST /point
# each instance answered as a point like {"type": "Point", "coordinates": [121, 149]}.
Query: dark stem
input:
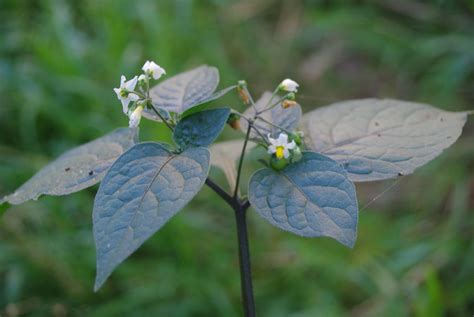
{"type": "Point", "coordinates": [222, 193]}
{"type": "Point", "coordinates": [161, 117]}
{"type": "Point", "coordinates": [244, 261]}
{"type": "Point", "coordinates": [241, 161]}
{"type": "Point", "coordinates": [240, 209]}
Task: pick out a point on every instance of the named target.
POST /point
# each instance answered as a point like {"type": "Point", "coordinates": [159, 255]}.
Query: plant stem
{"type": "Point", "coordinates": [244, 261]}
{"type": "Point", "coordinates": [222, 193]}
{"type": "Point", "coordinates": [161, 117]}
{"type": "Point", "coordinates": [239, 169]}
{"type": "Point", "coordinates": [240, 209]}
{"type": "Point", "coordinates": [273, 124]}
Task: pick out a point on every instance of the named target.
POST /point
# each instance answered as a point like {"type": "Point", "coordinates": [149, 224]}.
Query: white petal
{"type": "Point", "coordinates": [158, 73]}
{"type": "Point", "coordinates": [271, 149]}
{"type": "Point", "coordinates": [146, 66]}
{"type": "Point", "coordinates": [291, 145]}
{"type": "Point", "coordinates": [272, 140]}
{"type": "Point", "coordinates": [117, 91]}
{"type": "Point", "coordinates": [286, 153]}
{"type": "Point", "coordinates": [125, 102]}
{"type": "Point", "coordinates": [133, 97]}
{"type": "Point", "coordinates": [122, 81]}
{"type": "Point", "coordinates": [283, 139]}
{"type": "Point", "coordinates": [130, 85]}
{"type": "Point", "coordinates": [289, 85]}
{"type": "Point", "coordinates": [142, 77]}
{"type": "Point", "coordinates": [156, 70]}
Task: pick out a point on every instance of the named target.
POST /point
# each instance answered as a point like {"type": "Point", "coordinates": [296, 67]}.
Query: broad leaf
{"type": "Point", "coordinates": [183, 91]}
{"type": "Point", "coordinates": [310, 198]}
{"type": "Point", "coordinates": [205, 103]}
{"type": "Point", "coordinates": [377, 139]}
{"type": "Point", "coordinates": [285, 118]}
{"type": "Point", "coordinates": [76, 169]}
{"type": "Point", "coordinates": [143, 189]}
{"type": "Point", "coordinates": [201, 128]}
{"type": "Point", "coordinates": [224, 155]}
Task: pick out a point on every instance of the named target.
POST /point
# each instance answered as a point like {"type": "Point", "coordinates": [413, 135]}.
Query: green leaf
{"type": "Point", "coordinates": [224, 155]}
{"type": "Point", "coordinates": [287, 119]}
{"type": "Point", "coordinates": [76, 169]}
{"type": "Point", "coordinates": [143, 189]}
{"type": "Point", "coordinates": [183, 91]}
{"type": "Point", "coordinates": [200, 128]}
{"type": "Point", "coordinates": [376, 139]}
{"type": "Point", "coordinates": [205, 103]}
{"type": "Point", "coordinates": [310, 198]}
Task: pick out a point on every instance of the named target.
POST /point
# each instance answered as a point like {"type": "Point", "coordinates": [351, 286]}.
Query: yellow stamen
{"type": "Point", "coordinates": [279, 152]}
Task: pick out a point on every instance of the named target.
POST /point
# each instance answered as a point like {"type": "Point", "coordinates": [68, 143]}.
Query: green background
{"type": "Point", "coordinates": [59, 61]}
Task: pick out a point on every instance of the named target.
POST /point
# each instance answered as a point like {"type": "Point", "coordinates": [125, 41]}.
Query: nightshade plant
{"type": "Point", "coordinates": [305, 187]}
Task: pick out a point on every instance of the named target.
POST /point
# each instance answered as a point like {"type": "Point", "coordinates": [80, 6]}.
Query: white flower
{"type": "Point", "coordinates": [123, 92]}
{"type": "Point", "coordinates": [280, 146]}
{"type": "Point", "coordinates": [153, 69]}
{"type": "Point", "coordinates": [289, 85]}
{"type": "Point", "coordinates": [135, 116]}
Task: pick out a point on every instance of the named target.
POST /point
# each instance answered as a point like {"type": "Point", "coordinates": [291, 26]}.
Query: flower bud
{"type": "Point", "coordinates": [291, 96]}
{"type": "Point", "coordinates": [243, 95]}
{"type": "Point", "coordinates": [242, 84]}
{"type": "Point", "coordinates": [234, 121]}
{"type": "Point", "coordinates": [288, 85]}
{"type": "Point", "coordinates": [135, 116]}
{"type": "Point", "coordinates": [288, 103]}
{"type": "Point", "coordinates": [297, 137]}
{"type": "Point", "coordinates": [297, 155]}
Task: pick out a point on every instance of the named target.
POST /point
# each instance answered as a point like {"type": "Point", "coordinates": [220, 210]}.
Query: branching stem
{"type": "Point", "coordinates": [273, 124]}
{"type": "Point", "coordinates": [240, 208]}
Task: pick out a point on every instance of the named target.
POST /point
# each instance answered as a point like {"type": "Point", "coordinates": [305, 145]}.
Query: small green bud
{"type": "Point", "coordinates": [242, 84]}
{"type": "Point", "coordinates": [278, 164]}
{"type": "Point", "coordinates": [296, 136]}
{"type": "Point", "coordinates": [297, 155]}
{"type": "Point", "coordinates": [291, 96]}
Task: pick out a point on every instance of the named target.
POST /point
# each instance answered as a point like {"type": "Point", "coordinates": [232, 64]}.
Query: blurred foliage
{"type": "Point", "coordinates": [59, 61]}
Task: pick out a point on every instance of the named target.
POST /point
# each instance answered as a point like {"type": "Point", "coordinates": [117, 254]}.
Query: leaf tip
{"type": "Point", "coordinates": [351, 243]}
{"type": "Point", "coordinates": [97, 286]}
{"type": "Point", "coordinates": [100, 280]}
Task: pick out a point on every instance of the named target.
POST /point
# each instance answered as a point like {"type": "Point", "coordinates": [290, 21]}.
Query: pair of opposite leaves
{"type": "Point", "coordinates": [360, 140]}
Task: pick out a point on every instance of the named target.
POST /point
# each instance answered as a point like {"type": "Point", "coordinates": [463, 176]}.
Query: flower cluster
{"type": "Point", "coordinates": [283, 151]}
{"type": "Point", "coordinates": [126, 93]}
{"type": "Point", "coordinates": [286, 148]}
